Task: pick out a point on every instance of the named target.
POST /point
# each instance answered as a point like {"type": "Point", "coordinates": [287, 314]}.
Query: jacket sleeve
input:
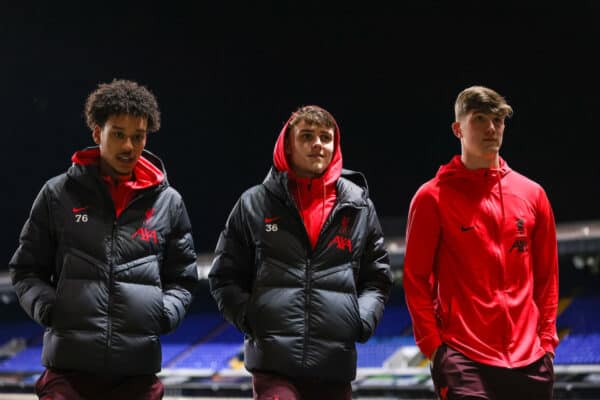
{"type": "Point", "coordinates": [422, 236]}
{"type": "Point", "coordinates": [32, 266]}
{"type": "Point", "coordinates": [231, 274]}
{"type": "Point", "coordinates": [179, 273]}
{"type": "Point", "coordinates": [374, 277]}
{"type": "Point", "coordinates": [545, 272]}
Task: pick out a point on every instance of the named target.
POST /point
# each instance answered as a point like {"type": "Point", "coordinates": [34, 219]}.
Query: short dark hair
{"type": "Point", "coordinates": [121, 97]}
{"type": "Point", "coordinates": [483, 99]}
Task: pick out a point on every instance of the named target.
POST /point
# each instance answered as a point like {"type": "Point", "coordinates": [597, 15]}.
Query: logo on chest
{"type": "Point", "coordinates": [143, 232]}
{"type": "Point", "coordinates": [341, 240]}
{"type": "Point", "coordinates": [270, 225]}
{"type": "Point", "coordinates": [520, 243]}
{"type": "Point", "coordinates": [80, 214]}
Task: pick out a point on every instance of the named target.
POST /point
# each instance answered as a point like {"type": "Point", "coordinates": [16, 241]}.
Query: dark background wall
{"type": "Point", "coordinates": [228, 77]}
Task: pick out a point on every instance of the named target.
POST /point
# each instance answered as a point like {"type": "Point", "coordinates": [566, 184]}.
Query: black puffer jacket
{"type": "Point", "coordinates": [105, 288]}
{"type": "Point", "coordinates": [302, 310]}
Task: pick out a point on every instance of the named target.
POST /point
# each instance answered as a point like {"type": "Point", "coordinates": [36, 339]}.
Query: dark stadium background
{"type": "Point", "coordinates": [227, 77]}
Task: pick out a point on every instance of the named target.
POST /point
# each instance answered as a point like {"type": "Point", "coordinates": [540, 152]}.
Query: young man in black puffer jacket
{"type": "Point", "coordinates": [106, 260]}
{"type": "Point", "coordinates": [301, 268]}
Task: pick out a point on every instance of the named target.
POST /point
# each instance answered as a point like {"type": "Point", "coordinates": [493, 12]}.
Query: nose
{"type": "Point", "coordinates": [491, 127]}
{"type": "Point", "coordinates": [128, 144]}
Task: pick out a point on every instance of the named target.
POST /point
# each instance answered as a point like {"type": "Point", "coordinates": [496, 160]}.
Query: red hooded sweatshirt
{"type": "Point", "coordinates": [481, 268]}
{"type": "Point", "coordinates": [145, 175]}
{"type": "Point", "coordinates": [314, 197]}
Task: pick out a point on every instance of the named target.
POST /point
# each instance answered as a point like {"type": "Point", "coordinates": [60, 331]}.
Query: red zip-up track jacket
{"type": "Point", "coordinates": [481, 268]}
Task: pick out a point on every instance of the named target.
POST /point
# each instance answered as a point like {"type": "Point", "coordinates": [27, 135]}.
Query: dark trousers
{"type": "Point", "coordinates": [56, 384]}
{"type": "Point", "coordinates": [274, 387]}
{"type": "Point", "coordinates": [457, 377]}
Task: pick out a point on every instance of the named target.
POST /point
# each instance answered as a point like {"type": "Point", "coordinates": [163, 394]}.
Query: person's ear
{"type": "Point", "coordinates": [96, 134]}
{"type": "Point", "coordinates": [456, 129]}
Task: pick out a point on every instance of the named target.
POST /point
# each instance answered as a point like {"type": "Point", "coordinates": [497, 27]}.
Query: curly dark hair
{"type": "Point", "coordinates": [121, 97]}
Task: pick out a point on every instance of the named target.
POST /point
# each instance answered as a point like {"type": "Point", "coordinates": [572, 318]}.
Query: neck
{"type": "Point", "coordinates": [471, 162]}
{"type": "Point", "coordinates": [306, 175]}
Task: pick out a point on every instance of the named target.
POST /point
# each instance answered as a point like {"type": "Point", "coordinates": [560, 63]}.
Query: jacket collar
{"type": "Point", "coordinates": [349, 189]}
{"type": "Point", "coordinates": [83, 168]}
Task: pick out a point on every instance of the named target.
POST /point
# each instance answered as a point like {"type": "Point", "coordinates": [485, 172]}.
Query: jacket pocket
{"type": "Point", "coordinates": [244, 320]}
{"type": "Point", "coordinates": [337, 315]}
{"type": "Point", "coordinates": [80, 292]}
{"type": "Point", "coordinates": [149, 274]}
{"type": "Point", "coordinates": [137, 290]}
{"type": "Point", "coordinates": [358, 320]}
{"type": "Point", "coordinates": [77, 265]}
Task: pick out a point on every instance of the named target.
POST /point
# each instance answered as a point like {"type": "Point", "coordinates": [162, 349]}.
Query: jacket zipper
{"type": "Point", "coordinates": [306, 310]}
{"type": "Point", "coordinates": [308, 275]}
{"type": "Point", "coordinates": [332, 214]}
{"type": "Point", "coordinates": [308, 272]}
{"type": "Point", "coordinates": [501, 259]}
{"type": "Point", "coordinates": [110, 289]}
{"type": "Point", "coordinates": [111, 262]}
{"type": "Point", "coordinates": [291, 203]}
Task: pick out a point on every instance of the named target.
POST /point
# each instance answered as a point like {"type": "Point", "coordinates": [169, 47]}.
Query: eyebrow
{"type": "Point", "coordinates": [320, 131]}
{"type": "Point", "coordinates": [123, 128]}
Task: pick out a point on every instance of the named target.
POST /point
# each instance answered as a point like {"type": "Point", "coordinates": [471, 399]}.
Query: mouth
{"type": "Point", "coordinates": [126, 158]}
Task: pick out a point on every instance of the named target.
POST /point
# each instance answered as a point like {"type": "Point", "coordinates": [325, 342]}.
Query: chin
{"type": "Point", "coordinates": [124, 172]}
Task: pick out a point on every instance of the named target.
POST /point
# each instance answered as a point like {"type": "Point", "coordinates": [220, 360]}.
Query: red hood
{"type": "Point", "coordinates": [456, 169]}
{"type": "Point", "coordinates": [146, 173]}
{"type": "Point", "coordinates": [331, 174]}
{"type": "Point", "coordinates": [315, 197]}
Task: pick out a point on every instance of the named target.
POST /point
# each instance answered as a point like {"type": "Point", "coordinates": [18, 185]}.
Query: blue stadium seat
{"type": "Point", "coordinates": [27, 330]}
{"type": "Point", "coordinates": [215, 353]}
{"type": "Point", "coordinates": [395, 321]}
{"type": "Point", "coordinates": [579, 349]}
{"type": "Point", "coordinates": [377, 350]}
{"type": "Point", "coordinates": [582, 315]}
{"type": "Point", "coordinates": [390, 335]}
{"type": "Point", "coordinates": [26, 361]}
